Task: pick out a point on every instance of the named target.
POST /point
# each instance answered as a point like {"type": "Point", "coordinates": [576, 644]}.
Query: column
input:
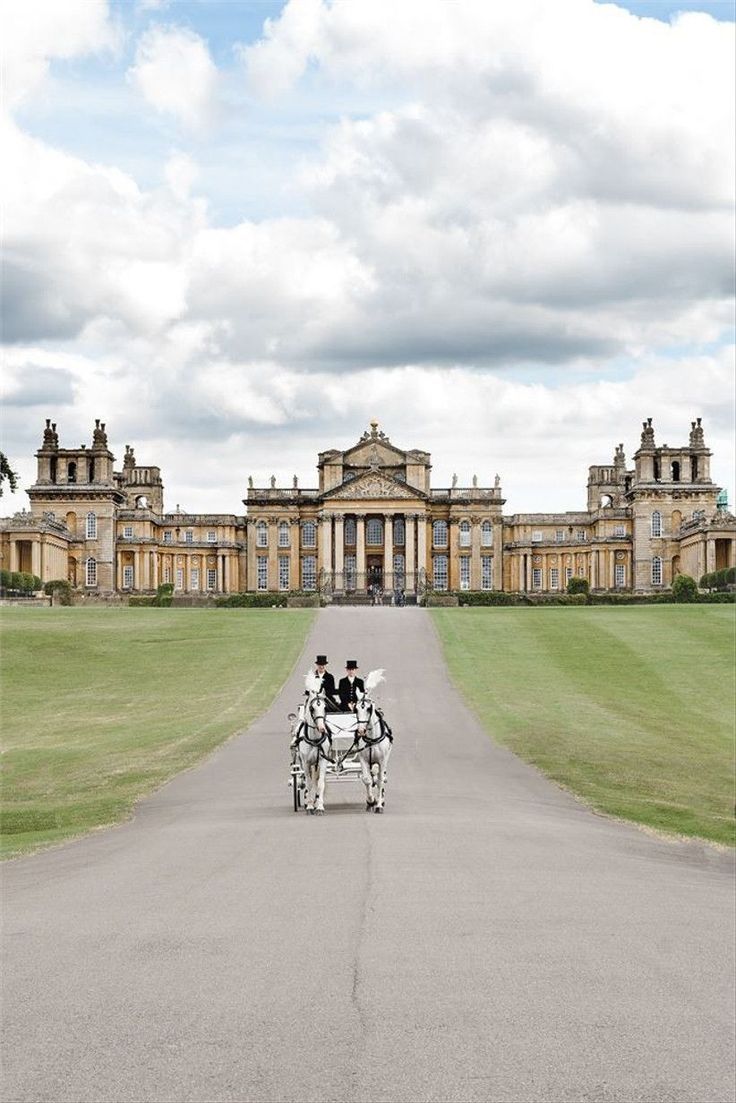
{"type": "Point", "coordinates": [421, 545]}
{"type": "Point", "coordinates": [475, 579]}
{"type": "Point", "coordinates": [325, 533]}
{"type": "Point", "coordinates": [43, 557]}
{"type": "Point", "coordinates": [360, 551]}
{"type": "Point", "coordinates": [339, 551]}
{"type": "Point", "coordinates": [295, 580]}
{"type": "Point", "coordinates": [410, 553]}
{"type": "Point", "coordinates": [13, 554]}
{"type": "Point", "coordinates": [250, 537]}
{"type": "Point", "coordinates": [273, 560]}
{"type": "Point", "coordinates": [154, 569]}
{"type": "Point", "coordinates": [226, 563]}
{"type": "Point", "coordinates": [36, 558]}
{"type": "Point", "coordinates": [388, 551]}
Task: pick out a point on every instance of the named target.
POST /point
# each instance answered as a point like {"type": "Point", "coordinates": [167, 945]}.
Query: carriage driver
{"type": "Point", "coordinates": [350, 686]}
{"type": "Point", "coordinates": [328, 684]}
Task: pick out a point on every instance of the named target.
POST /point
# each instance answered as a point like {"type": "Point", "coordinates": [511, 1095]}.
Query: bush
{"type": "Point", "coordinates": [578, 586]}
{"type": "Point", "coordinates": [252, 601]}
{"type": "Point", "coordinates": [164, 595]}
{"type": "Point", "coordinates": [488, 597]}
{"type": "Point", "coordinates": [4, 580]}
{"type": "Point", "coordinates": [141, 601]}
{"type": "Point", "coordinates": [59, 590]}
{"type": "Point", "coordinates": [716, 599]}
{"type": "Point", "coordinates": [684, 589]}
{"type": "Point", "coordinates": [719, 580]}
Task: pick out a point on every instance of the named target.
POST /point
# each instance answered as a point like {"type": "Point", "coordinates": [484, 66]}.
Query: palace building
{"type": "Point", "coordinates": [373, 519]}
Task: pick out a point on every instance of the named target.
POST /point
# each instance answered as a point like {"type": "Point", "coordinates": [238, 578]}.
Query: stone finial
{"type": "Point", "coordinates": [250, 482]}
{"type": "Point", "coordinates": [647, 434]}
{"type": "Point", "coordinates": [497, 481]}
{"type": "Point", "coordinates": [374, 427]}
{"type": "Point", "coordinates": [50, 436]}
{"type": "Point", "coordinates": [99, 436]}
{"type": "Point", "coordinates": [619, 458]}
{"type": "Point", "coordinates": [273, 482]}
{"type": "Point", "coordinates": [454, 480]}
{"type": "Point", "coordinates": [129, 460]}
{"type": "Point", "coordinates": [295, 482]}
{"type": "Point", "coordinates": [697, 440]}
{"type": "Point", "coordinates": [475, 480]}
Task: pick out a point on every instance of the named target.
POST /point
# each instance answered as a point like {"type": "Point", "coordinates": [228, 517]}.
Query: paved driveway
{"type": "Point", "coordinates": [487, 939]}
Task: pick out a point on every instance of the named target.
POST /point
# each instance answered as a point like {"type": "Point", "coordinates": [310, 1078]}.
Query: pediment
{"type": "Point", "coordinates": [374, 484]}
{"type": "Point", "coordinates": [373, 453]}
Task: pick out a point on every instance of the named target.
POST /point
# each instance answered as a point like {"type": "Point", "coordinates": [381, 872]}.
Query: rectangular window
{"type": "Point", "coordinates": [262, 561]}
{"type": "Point", "coordinates": [581, 535]}
{"type": "Point", "coordinates": [486, 572]}
{"type": "Point", "coordinates": [91, 526]}
{"type": "Point", "coordinates": [127, 578]}
{"type": "Point", "coordinates": [189, 536]}
{"type": "Point", "coordinates": [128, 531]}
{"type": "Point", "coordinates": [465, 572]}
{"type": "Point", "coordinates": [167, 575]}
{"type": "Point", "coordinates": [439, 573]}
{"type": "Point", "coordinates": [619, 530]}
{"type": "Point", "coordinates": [656, 571]}
{"type": "Point", "coordinates": [620, 574]}
{"type": "Point", "coordinates": [486, 535]}
{"type": "Point", "coordinates": [211, 536]}
{"type": "Point", "coordinates": [194, 578]}
{"type": "Point", "coordinates": [536, 537]}
{"type": "Point", "coordinates": [211, 578]}
{"type": "Point", "coordinates": [167, 537]}
{"type": "Point", "coordinates": [283, 572]}
{"type": "Point", "coordinates": [351, 572]}
{"type": "Point", "coordinates": [284, 535]}
{"type": "Point", "coordinates": [465, 534]}
{"type": "Point", "coordinates": [91, 572]}
{"type": "Point", "coordinates": [537, 578]}
{"type": "Point", "coordinates": [568, 574]}
{"type": "Point", "coordinates": [560, 536]}
{"type": "Point", "coordinates": [554, 578]}
{"type": "Point", "coordinates": [180, 578]}
{"type": "Point", "coordinates": [309, 572]}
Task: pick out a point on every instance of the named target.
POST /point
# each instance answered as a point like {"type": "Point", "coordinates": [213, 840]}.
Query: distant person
{"type": "Point", "coordinates": [350, 686]}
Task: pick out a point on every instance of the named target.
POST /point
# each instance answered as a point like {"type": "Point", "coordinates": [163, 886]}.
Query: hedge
{"type": "Point", "coordinates": [252, 601]}
{"type": "Point", "coordinates": [21, 582]}
{"type": "Point", "coordinates": [719, 580]}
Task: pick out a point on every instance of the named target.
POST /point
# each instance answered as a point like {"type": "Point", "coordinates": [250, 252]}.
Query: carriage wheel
{"type": "Point", "coordinates": [295, 791]}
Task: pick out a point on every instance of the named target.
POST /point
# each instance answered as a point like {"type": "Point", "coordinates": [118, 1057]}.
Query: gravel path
{"type": "Point", "coordinates": [487, 939]}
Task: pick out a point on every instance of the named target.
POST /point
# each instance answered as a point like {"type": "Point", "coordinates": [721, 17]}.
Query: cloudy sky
{"type": "Point", "coordinates": [237, 231]}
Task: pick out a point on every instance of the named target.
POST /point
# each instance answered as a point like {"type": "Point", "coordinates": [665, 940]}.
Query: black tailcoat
{"type": "Point", "coordinates": [328, 688]}
{"type": "Point", "coordinates": [349, 692]}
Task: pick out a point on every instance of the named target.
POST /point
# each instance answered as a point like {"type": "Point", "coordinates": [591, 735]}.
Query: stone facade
{"type": "Point", "coordinates": [373, 520]}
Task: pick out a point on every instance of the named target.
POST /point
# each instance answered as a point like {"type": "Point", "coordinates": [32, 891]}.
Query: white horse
{"type": "Point", "coordinates": [313, 745]}
{"type": "Point", "coordinates": [374, 740]}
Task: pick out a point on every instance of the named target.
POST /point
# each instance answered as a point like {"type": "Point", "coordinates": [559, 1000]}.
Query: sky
{"type": "Point", "coordinates": [237, 232]}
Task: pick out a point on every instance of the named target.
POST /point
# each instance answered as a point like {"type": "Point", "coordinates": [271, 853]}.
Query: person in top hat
{"type": "Point", "coordinates": [328, 683]}
{"type": "Point", "coordinates": [350, 686]}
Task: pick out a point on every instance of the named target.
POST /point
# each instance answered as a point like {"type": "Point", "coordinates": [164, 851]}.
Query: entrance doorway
{"type": "Point", "coordinates": [374, 564]}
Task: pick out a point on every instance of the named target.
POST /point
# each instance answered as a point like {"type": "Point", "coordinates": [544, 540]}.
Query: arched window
{"type": "Point", "coordinates": [309, 534]}
{"type": "Point", "coordinates": [91, 526]}
{"type": "Point", "coordinates": [141, 502]}
{"type": "Point", "coordinates": [656, 523]}
{"type": "Point", "coordinates": [261, 535]}
{"type": "Point", "coordinates": [399, 531]}
{"type": "Point", "coordinates": [656, 571]}
{"type": "Point", "coordinates": [676, 471]}
{"type": "Point", "coordinates": [71, 472]}
{"type": "Point", "coordinates": [374, 531]}
{"type": "Point", "coordinates": [91, 469]}
{"type": "Point", "coordinates": [91, 571]}
{"type": "Point", "coordinates": [486, 534]}
{"type": "Point", "coordinates": [439, 534]}
{"type": "Point", "coordinates": [350, 531]}
{"type": "Point", "coordinates": [465, 534]}
{"type": "Point", "coordinates": [606, 501]}
{"type": "Point", "coordinates": [284, 534]}
{"type": "Point", "coordinates": [694, 468]}
{"type": "Point", "coordinates": [657, 470]}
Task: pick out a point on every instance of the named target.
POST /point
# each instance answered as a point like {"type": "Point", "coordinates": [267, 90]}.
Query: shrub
{"type": "Point", "coordinates": [684, 588]}
{"type": "Point", "coordinates": [578, 586]}
{"type": "Point", "coordinates": [142, 601]}
{"type": "Point", "coordinates": [59, 590]}
{"type": "Point", "coordinates": [716, 599]}
{"type": "Point", "coordinates": [164, 595]}
{"type": "Point", "coordinates": [488, 597]}
{"type": "Point", "coordinates": [251, 601]}
{"type": "Point", "coordinates": [5, 580]}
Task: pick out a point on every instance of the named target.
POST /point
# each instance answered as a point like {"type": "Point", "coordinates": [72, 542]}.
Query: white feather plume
{"type": "Point", "coordinates": [374, 678]}
{"type": "Point", "coordinates": [312, 682]}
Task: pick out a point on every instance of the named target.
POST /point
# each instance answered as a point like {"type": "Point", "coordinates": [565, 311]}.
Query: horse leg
{"type": "Point", "coordinates": [321, 774]}
{"type": "Point", "coordinates": [365, 777]}
{"type": "Point", "coordinates": [308, 788]}
{"type": "Point", "coordinates": [383, 764]}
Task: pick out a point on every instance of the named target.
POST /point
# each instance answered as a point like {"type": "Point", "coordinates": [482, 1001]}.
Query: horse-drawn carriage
{"type": "Point", "coordinates": [339, 746]}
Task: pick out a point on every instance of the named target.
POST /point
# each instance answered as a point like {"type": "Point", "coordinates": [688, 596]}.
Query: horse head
{"type": "Point", "coordinates": [316, 708]}
{"type": "Point", "coordinates": [363, 713]}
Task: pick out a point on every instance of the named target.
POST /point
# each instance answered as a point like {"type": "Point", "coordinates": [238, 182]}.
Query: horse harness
{"type": "Point", "coordinates": [326, 735]}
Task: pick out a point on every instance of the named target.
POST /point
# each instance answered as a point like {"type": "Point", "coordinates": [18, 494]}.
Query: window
{"type": "Point", "coordinates": [554, 578]}
{"type": "Point", "coordinates": [262, 568]}
{"type": "Point", "coordinates": [261, 535]}
{"type": "Point", "coordinates": [465, 572]}
{"type": "Point", "coordinates": [71, 473]}
{"type": "Point", "coordinates": [127, 578]}
{"type": "Point", "coordinates": [91, 526]}
{"type": "Point", "coordinates": [560, 536]}
{"type": "Point", "coordinates": [536, 537]}
{"type": "Point", "coordinates": [439, 573]}
{"type": "Point", "coordinates": [581, 535]}
{"type": "Point", "coordinates": [351, 572]}
{"type": "Point", "coordinates": [309, 572]}
{"type": "Point", "coordinates": [620, 574]}
{"type": "Point", "coordinates": [619, 530]}
{"type": "Point", "coordinates": [464, 534]}
{"type": "Point", "coordinates": [309, 534]}
{"type": "Point", "coordinates": [180, 578]}
{"type": "Point", "coordinates": [127, 531]}
{"type": "Point", "coordinates": [91, 572]}
{"type": "Point", "coordinates": [399, 568]}
{"type": "Point", "coordinates": [656, 523]}
{"type": "Point", "coordinates": [350, 531]}
{"type": "Point", "coordinates": [194, 578]}
{"type": "Point", "coordinates": [568, 574]}
{"type": "Point", "coordinates": [167, 537]}
{"type": "Point", "coordinates": [439, 535]}
{"type": "Point", "coordinates": [486, 534]}
{"type": "Point", "coordinates": [537, 578]}
{"type": "Point", "coordinates": [211, 536]}
{"type": "Point", "coordinates": [167, 574]}
{"type": "Point", "coordinates": [486, 572]}
{"type": "Point", "coordinates": [399, 531]}
{"type": "Point", "coordinates": [211, 578]}
{"type": "Point", "coordinates": [656, 571]}
{"type": "Point", "coordinates": [189, 536]}
{"type": "Point", "coordinates": [284, 572]}
{"type": "Point", "coordinates": [284, 534]}
{"type": "Point", "coordinates": [374, 531]}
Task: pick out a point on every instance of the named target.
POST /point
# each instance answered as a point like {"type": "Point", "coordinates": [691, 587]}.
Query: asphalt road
{"type": "Point", "coordinates": [488, 938]}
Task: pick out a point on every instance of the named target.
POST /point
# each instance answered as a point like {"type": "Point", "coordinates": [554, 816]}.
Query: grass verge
{"type": "Point", "coordinates": [632, 709]}
{"type": "Point", "coordinates": [101, 706]}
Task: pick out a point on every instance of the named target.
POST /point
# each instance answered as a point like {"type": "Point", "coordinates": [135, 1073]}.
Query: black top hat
{"type": "Point", "coordinates": [351, 665]}
{"type": "Point", "coordinates": [321, 660]}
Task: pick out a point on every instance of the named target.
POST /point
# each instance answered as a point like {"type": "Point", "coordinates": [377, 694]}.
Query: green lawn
{"type": "Point", "coordinates": [101, 706]}
{"type": "Point", "coordinates": [631, 708]}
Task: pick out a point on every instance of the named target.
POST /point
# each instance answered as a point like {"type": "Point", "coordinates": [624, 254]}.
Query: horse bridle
{"type": "Point", "coordinates": [325, 735]}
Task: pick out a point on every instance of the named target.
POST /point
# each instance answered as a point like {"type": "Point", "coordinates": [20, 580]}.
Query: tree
{"type": "Point", "coordinates": [6, 472]}
{"type": "Point", "coordinates": [685, 588]}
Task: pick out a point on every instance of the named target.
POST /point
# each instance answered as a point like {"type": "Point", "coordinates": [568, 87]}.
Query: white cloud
{"type": "Point", "coordinates": [175, 74]}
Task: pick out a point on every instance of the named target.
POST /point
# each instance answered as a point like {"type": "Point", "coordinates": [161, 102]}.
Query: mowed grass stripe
{"type": "Point", "coordinates": [631, 708]}
{"type": "Point", "coordinates": [101, 706]}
